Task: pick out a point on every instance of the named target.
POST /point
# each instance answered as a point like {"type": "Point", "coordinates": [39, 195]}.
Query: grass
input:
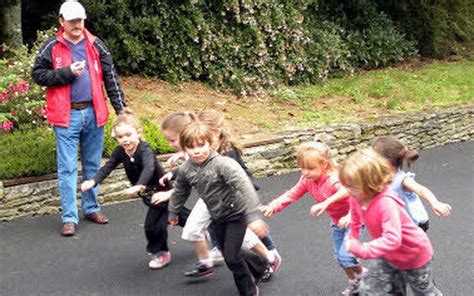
{"type": "Point", "coordinates": [418, 86]}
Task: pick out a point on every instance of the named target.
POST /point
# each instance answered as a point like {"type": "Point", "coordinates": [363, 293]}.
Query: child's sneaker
{"type": "Point", "coordinates": [201, 271]}
{"type": "Point", "coordinates": [216, 256]}
{"type": "Point", "coordinates": [276, 262]}
{"type": "Point", "coordinates": [160, 260]}
{"type": "Point", "coordinates": [353, 288]}
{"type": "Point", "coordinates": [267, 275]}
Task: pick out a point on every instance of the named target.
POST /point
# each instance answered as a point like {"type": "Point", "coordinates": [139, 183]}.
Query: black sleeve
{"type": "Point", "coordinates": [232, 153]}
{"type": "Point", "coordinates": [110, 77]}
{"type": "Point", "coordinates": [43, 72]}
{"type": "Point", "coordinates": [148, 163]}
{"type": "Point", "coordinates": [110, 165]}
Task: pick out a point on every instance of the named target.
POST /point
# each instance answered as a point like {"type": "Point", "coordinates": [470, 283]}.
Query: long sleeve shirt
{"type": "Point", "coordinates": [319, 190]}
{"type": "Point", "coordinates": [394, 236]}
{"type": "Point", "coordinates": [223, 186]}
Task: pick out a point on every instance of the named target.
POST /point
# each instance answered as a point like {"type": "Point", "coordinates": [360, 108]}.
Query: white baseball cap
{"type": "Point", "coordinates": [72, 10]}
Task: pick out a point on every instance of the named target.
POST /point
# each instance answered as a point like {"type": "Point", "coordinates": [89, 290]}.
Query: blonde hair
{"type": "Point", "coordinates": [216, 121]}
{"type": "Point", "coordinates": [176, 121]}
{"type": "Point", "coordinates": [366, 171]}
{"type": "Point", "coordinates": [195, 133]}
{"type": "Point", "coordinates": [126, 117]}
{"type": "Point", "coordinates": [312, 153]}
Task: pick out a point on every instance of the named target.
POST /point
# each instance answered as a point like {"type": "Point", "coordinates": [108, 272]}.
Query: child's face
{"type": "Point", "coordinates": [314, 171]}
{"type": "Point", "coordinates": [127, 136]}
{"type": "Point", "coordinates": [172, 138]}
{"type": "Point", "coordinates": [199, 153]}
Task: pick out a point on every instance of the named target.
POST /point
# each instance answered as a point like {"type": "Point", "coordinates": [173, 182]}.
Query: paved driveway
{"type": "Point", "coordinates": [111, 260]}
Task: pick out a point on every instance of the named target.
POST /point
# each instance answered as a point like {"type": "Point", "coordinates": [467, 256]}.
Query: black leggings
{"type": "Point", "coordinates": [156, 227]}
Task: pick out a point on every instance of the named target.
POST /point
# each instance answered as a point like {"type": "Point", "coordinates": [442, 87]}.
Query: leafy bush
{"type": "Point", "coordinates": [22, 102]}
{"type": "Point", "coordinates": [246, 46]}
{"type": "Point", "coordinates": [26, 153]}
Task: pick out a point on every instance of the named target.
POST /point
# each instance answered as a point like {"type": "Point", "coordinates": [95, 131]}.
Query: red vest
{"type": "Point", "coordinates": [58, 98]}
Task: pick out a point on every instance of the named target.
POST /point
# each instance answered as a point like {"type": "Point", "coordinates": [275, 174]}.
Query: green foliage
{"type": "Point", "coordinates": [25, 153]}
{"type": "Point", "coordinates": [22, 102]}
{"type": "Point", "coordinates": [152, 134]}
{"type": "Point", "coordinates": [439, 28]}
{"type": "Point", "coordinates": [246, 46]}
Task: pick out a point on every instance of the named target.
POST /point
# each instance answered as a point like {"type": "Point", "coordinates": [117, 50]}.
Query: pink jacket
{"type": "Point", "coordinates": [320, 190]}
{"type": "Point", "coordinates": [394, 235]}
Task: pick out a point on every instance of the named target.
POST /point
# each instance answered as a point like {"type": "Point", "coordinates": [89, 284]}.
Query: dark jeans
{"type": "Point", "coordinates": [245, 265]}
{"type": "Point", "coordinates": [266, 240]}
{"type": "Point", "coordinates": [156, 227]}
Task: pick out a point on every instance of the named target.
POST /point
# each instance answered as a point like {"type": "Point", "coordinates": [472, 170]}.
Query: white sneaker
{"type": "Point", "coordinates": [159, 260]}
{"type": "Point", "coordinates": [216, 256]}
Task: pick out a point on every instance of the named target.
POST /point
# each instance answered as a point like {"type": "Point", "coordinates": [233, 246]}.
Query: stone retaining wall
{"type": "Point", "coordinates": [272, 156]}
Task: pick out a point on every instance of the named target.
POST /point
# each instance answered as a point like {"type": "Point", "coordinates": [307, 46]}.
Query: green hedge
{"type": "Point", "coordinates": [246, 46]}
{"type": "Point", "coordinates": [25, 153]}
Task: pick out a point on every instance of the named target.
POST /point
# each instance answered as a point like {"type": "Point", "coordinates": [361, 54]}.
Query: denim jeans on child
{"type": "Point", "coordinates": [83, 132]}
{"type": "Point", "coordinates": [343, 257]}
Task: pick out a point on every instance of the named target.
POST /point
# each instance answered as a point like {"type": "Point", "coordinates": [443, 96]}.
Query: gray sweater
{"type": "Point", "coordinates": [223, 186]}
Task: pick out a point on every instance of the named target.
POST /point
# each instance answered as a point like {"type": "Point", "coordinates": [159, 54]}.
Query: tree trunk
{"type": "Point", "coordinates": [10, 23]}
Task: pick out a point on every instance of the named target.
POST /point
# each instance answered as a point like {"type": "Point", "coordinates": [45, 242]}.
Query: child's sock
{"type": "Point", "coordinates": [270, 257]}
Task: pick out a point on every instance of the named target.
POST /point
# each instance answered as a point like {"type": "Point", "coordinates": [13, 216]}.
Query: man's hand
{"type": "Point", "coordinates": [173, 221]}
{"type": "Point", "coordinates": [77, 68]}
{"type": "Point", "coordinates": [87, 185]}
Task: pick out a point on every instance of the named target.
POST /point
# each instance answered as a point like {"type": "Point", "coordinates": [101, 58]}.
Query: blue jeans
{"type": "Point", "coordinates": [343, 257]}
{"type": "Point", "coordinates": [82, 131]}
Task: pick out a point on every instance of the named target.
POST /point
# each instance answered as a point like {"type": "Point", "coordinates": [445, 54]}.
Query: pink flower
{"type": "Point", "coordinates": [22, 87]}
{"type": "Point", "coordinates": [13, 88]}
{"type": "Point", "coordinates": [4, 96]}
{"type": "Point", "coordinates": [7, 125]}
{"type": "Point", "coordinates": [43, 111]}
{"type": "Point", "coordinates": [12, 113]}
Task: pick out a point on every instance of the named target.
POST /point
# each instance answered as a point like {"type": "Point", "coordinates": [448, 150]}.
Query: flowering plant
{"type": "Point", "coordinates": [22, 102]}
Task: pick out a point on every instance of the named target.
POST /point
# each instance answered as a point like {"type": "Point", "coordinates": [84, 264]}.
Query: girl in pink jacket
{"type": "Point", "coordinates": [401, 252]}
{"type": "Point", "coordinates": [320, 179]}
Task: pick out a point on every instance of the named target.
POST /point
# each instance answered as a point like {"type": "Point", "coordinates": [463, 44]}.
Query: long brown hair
{"type": "Point", "coordinates": [176, 121]}
{"type": "Point", "coordinates": [216, 121]}
{"type": "Point", "coordinates": [395, 151]}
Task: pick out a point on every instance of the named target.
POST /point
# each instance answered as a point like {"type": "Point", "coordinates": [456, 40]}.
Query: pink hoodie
{"type": "Point", "coordinates": [320, 190]}
{"type": "Point", "coordinates": [394, 235]}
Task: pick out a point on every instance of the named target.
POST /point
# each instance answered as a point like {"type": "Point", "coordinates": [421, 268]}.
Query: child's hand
{"type": "Point", "coordinates": [259, 227]}
{"type": "Point", "coordinates": [267, 211]}
{"type": "Point", "coordinates": [160, 197]}
{"type": "Point", "coordinates": [134, 189]}
{"type": "Point", "coordinates": [349, 243]}
{"type": "Point", "coordinates": [318, 209]}
{"type": "Point", "coordinates": [441, 209]}
{"type": "Point", "coordinates": [176, 158]}
{"type": "Point", "coordinates": [166, 178]}
{"type": "Point", "coordinates": [344, 221]}
{"type": "Point", "coordinates": [87, 185]}
{"type": "Point", "coordinates": [173, 221]}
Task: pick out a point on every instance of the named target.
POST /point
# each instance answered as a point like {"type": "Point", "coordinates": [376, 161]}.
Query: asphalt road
{"type": "Point", "coordinates": [111, 260]}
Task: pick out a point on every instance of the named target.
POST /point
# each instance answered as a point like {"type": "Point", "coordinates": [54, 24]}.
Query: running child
{"type": "Point", "coordinates": [143, 171]}
{"type": "Point", "coordinates": [229, 196]}
{"type": "Point", "coordinates": [227, 146]}
{"type": "Point", "coordinates": [404, 183]}
{"type": "Point", "coordinates": [320, 179]}
{"type": "Point", "coordinates": [199, 222]}
{"type": "Point", "coordinates": [399, 251]}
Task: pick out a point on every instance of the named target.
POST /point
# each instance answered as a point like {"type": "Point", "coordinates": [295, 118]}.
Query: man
{"type": "Point", "coordinates": [74, 65]}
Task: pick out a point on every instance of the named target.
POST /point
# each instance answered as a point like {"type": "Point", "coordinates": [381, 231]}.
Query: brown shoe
{"type": "Point", "coordinates": [97, 217]}
{"type": "Point", "coordinates": [68, 229]}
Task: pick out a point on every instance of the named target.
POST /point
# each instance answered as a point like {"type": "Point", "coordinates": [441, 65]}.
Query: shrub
{"type": "Point", "coordinates": [246, 46]}
{"type": "Point", "coordinates": [22, 102]}
{"type": "Point", "coordinates": [25, 153]}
